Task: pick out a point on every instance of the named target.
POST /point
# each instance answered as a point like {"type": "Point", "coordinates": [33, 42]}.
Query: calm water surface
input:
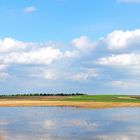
{"type": "Point", "coordinates": [56, 123]}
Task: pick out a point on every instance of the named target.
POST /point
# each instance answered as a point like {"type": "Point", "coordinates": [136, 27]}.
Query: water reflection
{"type": "Point", "coordinates": [55, 123]}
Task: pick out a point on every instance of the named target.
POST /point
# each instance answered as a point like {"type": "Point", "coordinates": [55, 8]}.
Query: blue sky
{"type": "Point", "coordinates": [89, 46]}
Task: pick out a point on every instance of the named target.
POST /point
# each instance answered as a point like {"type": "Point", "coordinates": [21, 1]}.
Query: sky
{"type": "Point", "coordinates": [53, 46]}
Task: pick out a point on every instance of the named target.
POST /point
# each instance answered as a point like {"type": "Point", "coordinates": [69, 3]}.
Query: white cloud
{"type": "Point", "coordinates": [121, 60]}
{"type": "Point", "coordinates": [18, 52]}
{"type": "Point", "coordinates": [52, 57]}
{"type": "Point", "coordinates": [28, 53]}
{"type": "Point", "coordinates": [29, 9]}
{"type": "Point", "coordinates": [125, 84]}
{"type": "Point", "coordinates": [129, 1]}
{"type": "Point", "coordinates": [83, 43]}
{"type": "Point", "coordinates": [129, 63]}
{"type": "Point", "coordinates": [122, 39]}
{"type": "Point", "coordinates": [9, 44]}
{"type": "Point", "coordinates": [116, 40]}
{"type": "Point", "coordinates": [45, 55]}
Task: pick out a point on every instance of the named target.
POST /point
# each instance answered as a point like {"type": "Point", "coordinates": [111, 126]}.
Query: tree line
{"type": "Point", "coordinates": [46, 94]}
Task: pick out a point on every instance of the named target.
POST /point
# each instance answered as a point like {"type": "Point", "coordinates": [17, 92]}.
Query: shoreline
{"type": "Point", "coordinates": [78, 104]}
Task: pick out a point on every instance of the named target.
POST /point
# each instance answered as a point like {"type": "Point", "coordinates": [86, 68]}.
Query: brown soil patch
{"type": "Point", "coordinates": [22, 103]}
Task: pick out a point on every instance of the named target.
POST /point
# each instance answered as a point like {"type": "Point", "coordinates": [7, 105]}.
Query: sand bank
{"type": "Point", "coordinates": [27, 103]}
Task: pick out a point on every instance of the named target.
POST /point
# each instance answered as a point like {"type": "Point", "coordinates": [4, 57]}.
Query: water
{"type": "Point", "coordinates": [60, 123]}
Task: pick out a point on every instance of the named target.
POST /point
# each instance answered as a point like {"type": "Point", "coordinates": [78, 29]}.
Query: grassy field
{"type": "Point", "coordinates": [84, 101]}
{"type": "Point", "coordinates": [106, 98]}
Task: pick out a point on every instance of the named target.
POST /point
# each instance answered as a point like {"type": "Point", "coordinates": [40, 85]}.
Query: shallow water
{"type": "Point", "coordinates": [61, 123]}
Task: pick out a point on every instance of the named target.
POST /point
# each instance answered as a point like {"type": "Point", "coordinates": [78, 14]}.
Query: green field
{"type": "Point", "coordinates": [87, 98]}
{"type": "Point", "coordinates": [106, 98]}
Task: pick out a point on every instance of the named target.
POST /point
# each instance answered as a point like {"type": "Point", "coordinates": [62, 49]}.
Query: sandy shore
{"type": "Point", "coordinates": [17, 103]}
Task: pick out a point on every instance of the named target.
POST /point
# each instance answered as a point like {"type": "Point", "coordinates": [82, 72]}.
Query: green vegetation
{"type": "Point", "coordinates": [106, 98]}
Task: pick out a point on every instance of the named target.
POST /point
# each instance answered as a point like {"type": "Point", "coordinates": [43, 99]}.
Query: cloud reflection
{"type": "Point", "coordinates": [69, 124]}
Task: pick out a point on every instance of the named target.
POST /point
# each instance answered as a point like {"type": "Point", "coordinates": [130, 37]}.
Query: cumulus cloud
{"type": "Point", "coordinates": [45, 55]}
{"type": "Point", "coordinates": [18, 52]}
{"type": "Point", "coordinates": [9, 44]}
{"type": "Point", "coordinates": [121, 60]}
{"type": "Point", "coordinates": [29, 53]}
{"type": "Point", "coordinates": [116, 40]}
{"type": "Point", "coordinates": [83, 43]}
{"type": "Point", "coordinates": [129, 62]}
{"type": "Point", "coordinates": [54, 59]}
{"type": "Point", "coordinates": [122, 39]}
{"type": "Point", "coordinates": [29, 9]}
